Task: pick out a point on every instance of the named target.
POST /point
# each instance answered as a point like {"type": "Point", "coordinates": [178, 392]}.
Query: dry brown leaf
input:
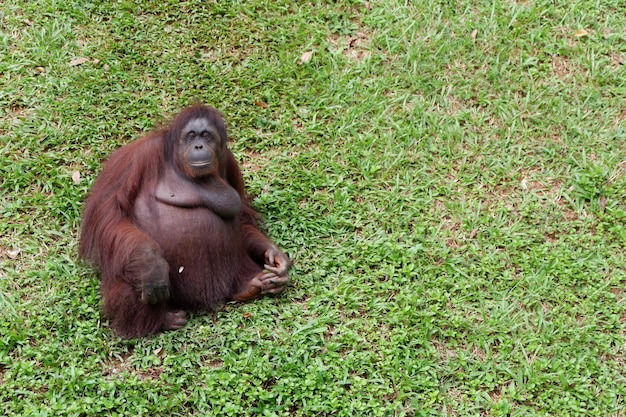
{"type": "Point", "coordinates": [353, 42]}
{"type": "Point", "coordinates": [28, 22]}
{"type": "Point", "coordinates": [40, 70]}
{"type": "Point", "coordinates": [306, 57]}
{"type": "Point", "coordinates": [78, 61]}
{"type": "Point", "coordinates": [13, 253]}
{"type": "Point", "coordinates": [474, 33]}
{"type": "Point", "coordinates": [580, 33]}
{"type": "Point", "coordinates": [76, 177]}
{"type": "Point", "coordinates": [603, 203]}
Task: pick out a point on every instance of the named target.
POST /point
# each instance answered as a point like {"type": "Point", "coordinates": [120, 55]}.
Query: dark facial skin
{"type": "Point", "coordinates": [199, 148]}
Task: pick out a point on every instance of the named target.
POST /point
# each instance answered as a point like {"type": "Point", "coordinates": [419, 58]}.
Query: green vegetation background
{"type": "Point", "coordinates": [450, 178]}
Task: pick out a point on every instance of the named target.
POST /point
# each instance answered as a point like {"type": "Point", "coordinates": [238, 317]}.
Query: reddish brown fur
{"type": "Point", "coordinates": [128, 255]}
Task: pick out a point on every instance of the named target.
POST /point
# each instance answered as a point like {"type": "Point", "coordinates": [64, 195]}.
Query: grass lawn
{"type": "Point", "coordinates": [449, 177]}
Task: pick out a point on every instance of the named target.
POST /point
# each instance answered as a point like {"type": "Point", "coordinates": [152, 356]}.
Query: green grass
{"type": "Point", "coordinates": [449, 177]}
